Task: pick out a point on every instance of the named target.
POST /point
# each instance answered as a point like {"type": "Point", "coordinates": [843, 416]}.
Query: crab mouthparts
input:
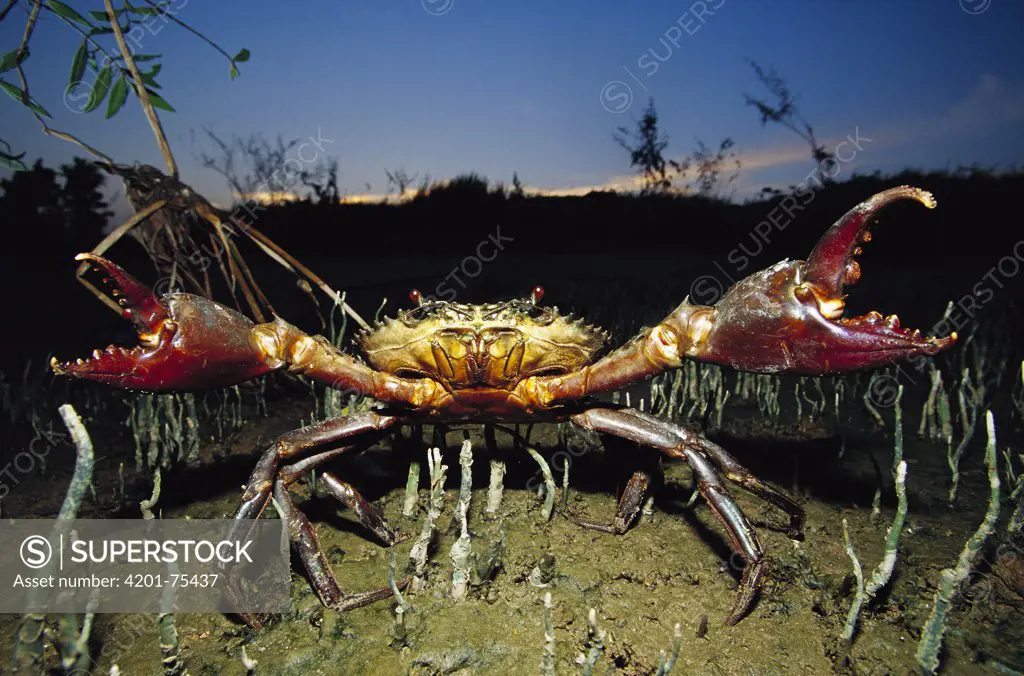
{"type": "Point", "coordinates": [142, 307]}
{"type": "Point", "coordinates": [832, 266]}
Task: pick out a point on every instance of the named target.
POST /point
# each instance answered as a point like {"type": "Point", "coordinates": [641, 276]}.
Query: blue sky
{"type": "Point", "coordinates": [441, 87]}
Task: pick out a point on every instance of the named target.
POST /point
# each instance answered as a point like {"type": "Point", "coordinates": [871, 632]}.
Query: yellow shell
{"type": "Point", "coordinates": [493, 345]}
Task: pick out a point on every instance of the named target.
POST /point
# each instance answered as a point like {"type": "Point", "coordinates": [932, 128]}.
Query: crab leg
{"type": "Point", "coordinates": [662, 436]}
{"type": "Point", "coordinates": [733, 470]}
{"type": "Point", "coordinates": [321, 576]}
{"type": "Point", "coordinates": [726, 463]}
{"type": "Point", "coordinates": [738, 474]}
{"type": "Point", "coordinates": [344, 492]}
{"type": "Point", "coordinates": [368, 515]}
{"type": "Point", "coordinates": [362, 428]}
{"type": "Point", "coordinates": [656, 350]}
{"type": "Point", "coordinates": [630, 503]}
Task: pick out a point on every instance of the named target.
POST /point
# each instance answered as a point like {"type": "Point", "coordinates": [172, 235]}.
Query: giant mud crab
{"type": "Point", "coordinates": [516, 361]}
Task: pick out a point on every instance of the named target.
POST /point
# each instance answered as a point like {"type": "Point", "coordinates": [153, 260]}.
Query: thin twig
{"type": "Point", "coordinates": [140, 89]}
{"type": "Point", "coordinates": [237, 274]}
{"type": "Point", "coordinates": [951, 579]}
{"type": "Point", "coordinates": [191, 30]}
{"type": "Point", "coordinates": [82, 476]}
{"type": "Point", "coordinates": [247, 275]}
{"type": "Point", "coordinates": [10, 4]}
{"type": "Point", "coordinates": [30, 26]}
{"type": "Point", "coordinates": [62, 135]}
{"type": "Point", "coordinates": [288, 261]}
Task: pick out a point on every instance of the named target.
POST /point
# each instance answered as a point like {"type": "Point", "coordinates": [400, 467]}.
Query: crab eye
{"type": "Point", "coordinates": [421, 312]}
{"type": "Point", "coordinates": [541, 315]}
{"type": "Point", "coordinates": [415, 315]}
{"type": "Point", "coordinates": [537, 295]}
{"type": "Point", "coordinates": [416, 297]}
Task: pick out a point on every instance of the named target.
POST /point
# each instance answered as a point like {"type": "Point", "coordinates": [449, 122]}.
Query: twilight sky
{"type": "Point", "coordinates": [440, 87]}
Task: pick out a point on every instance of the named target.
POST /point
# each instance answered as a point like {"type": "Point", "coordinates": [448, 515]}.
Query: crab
{"type": "Point", "coordinates": [517, 361]}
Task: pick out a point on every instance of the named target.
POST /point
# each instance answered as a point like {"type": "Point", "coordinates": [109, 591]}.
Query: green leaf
{"type": "Point", "coordinates": [241, 57]}
{"type": "Point", "coordinates": [78, 66]}
{"type": "Point", "coordinates": [101, 30]}
{"type": "Point", "coordinates": [12, 162]}
{"type": "Point", "coordinates": [99, 90]}
{"type": "Point", "coordinates": [149, 77]}
{"type": "Point", "coordinates": [118, 95]}
{"type": "Point", "coordinates": [145, 57]}
{"type": "Point", "coordinates": [147, 11]}
{"type": "Point", "coordinates": [101, 15]}
{"type": "Point", "coordinates": [67, 12]}
{"type": "Point", "coordinates": [158, 101]}
{"type": "Point", "coordinates": [18, 95]}
{"type": "Point", "coordinates": [233, 72]}
{"type": "Point", "coordinates": [9, 61]}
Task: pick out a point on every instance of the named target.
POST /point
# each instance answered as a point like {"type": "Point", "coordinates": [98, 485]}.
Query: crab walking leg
{"type": "Point", "coordinates": [738, 474]}
{"type": "Point", "coordinates": [365, 427]}
{"type": "Point", "coordinates": [658, 434]}
{"type": "Point", "coordinates": [368, 515]}
{"type": "Point", "coordinates": [630, 503]}
{"type": "Point", "coordinates": [735, 472]}
{"type": "Point", "coordinates": [304, 539]}
{"type": "Point", "coordinates": [344, 492]}
{"type": "Point", "coordinates": [371, 517]}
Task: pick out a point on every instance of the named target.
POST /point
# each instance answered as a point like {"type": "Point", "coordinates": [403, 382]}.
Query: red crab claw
{"type": "Point", "coordinates": [789, 318]}
{"type": "Point", "coordinates": [187, 342]}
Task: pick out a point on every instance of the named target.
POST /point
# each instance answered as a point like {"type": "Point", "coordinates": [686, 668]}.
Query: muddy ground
{"type": "Point", "coordinates": [672, 567]}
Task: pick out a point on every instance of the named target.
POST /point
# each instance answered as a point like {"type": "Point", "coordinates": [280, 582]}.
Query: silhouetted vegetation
{"type": "Point", "coordinates": [784, 112]}
{"type": "Point", "coordinates": [445, 217]}
{"type": "Point", "coordinates": [256, 167]}
{"type": "Point", "coordinates": [660, 175]}
{"type": "Point", "coordinates": [400, 181]}
{"type": "Point", "coordinates": [710, 165]}
{"type": "Point", "coordinates": [53, 211]}
{"type": "Point", "coordinates": [646, 146]}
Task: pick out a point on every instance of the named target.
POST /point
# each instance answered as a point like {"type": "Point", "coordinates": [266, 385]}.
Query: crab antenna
{"type": "Point", "coordinates": [537, 295]}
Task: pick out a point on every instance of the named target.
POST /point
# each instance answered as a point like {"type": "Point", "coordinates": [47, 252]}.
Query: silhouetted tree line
{"type": "Point", "coordinates": [970, 219]}
{"type": "Point", "coordinates": [50, 212]}
{"type": "Point", "coordinates": [57, 213]}
{"type": "Point", "coordinates": [48, 216]}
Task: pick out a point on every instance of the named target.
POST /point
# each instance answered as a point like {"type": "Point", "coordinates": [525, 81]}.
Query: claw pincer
{"type": "Point", "coordinates": [187, 342]}
{"type": "Point", "coordinates": [789, 318]}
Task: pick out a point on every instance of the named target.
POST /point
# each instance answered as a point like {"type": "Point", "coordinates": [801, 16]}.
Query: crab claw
{"type": "Point", "coordinates": [789, 317]}
{"type": "Point", "coordinates": [186, 342]}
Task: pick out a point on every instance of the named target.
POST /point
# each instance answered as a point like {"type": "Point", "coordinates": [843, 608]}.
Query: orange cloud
{"type": "Point", "coordinates": [268, 197]}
